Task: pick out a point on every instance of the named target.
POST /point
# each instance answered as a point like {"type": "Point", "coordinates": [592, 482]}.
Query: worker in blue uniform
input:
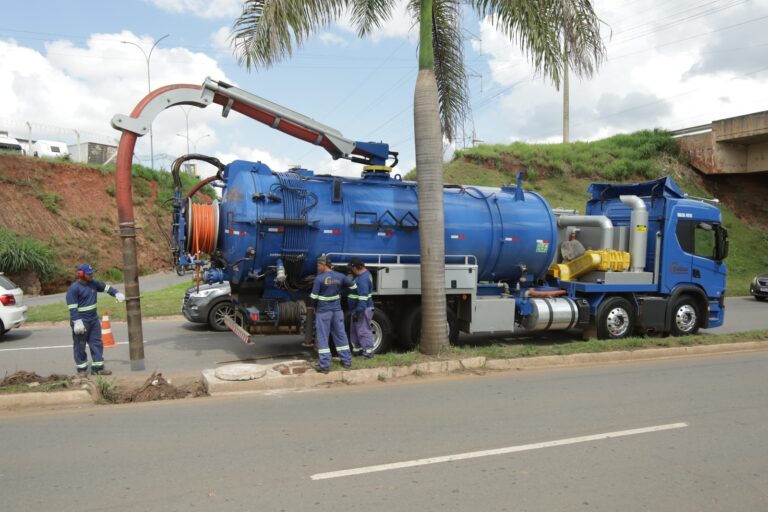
{"type": "Point", "coordinates": [329, 318]}
{"type": "Point", "coordinates": [84, 320]}
{"type": "Point", "coordinates": [360, 303]}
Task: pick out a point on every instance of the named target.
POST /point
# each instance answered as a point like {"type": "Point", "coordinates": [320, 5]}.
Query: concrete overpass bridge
{"type": "Point", "coordinates": [736, 145]}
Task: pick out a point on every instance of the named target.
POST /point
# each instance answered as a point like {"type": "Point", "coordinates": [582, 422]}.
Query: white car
{"type": "Point", "coordinates": [13, 312]}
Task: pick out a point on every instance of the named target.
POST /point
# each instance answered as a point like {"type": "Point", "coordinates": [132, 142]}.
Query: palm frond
{"type": "Point", "coordinates": [539, 27]}
{"type": "Point", "coordinates": [368, 15]}
{"type": "Point", "coordinates": [269, 30]}
{"type": "Point", "coordinates": [450, 73]}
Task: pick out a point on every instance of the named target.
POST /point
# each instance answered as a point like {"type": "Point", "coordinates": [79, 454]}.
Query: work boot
{"type": "Point", "coordinates": [102, 372]}
{"type": "Point", "coordinates": [320, 369]}
{"type": "Point", "coordinates": [82, 374]}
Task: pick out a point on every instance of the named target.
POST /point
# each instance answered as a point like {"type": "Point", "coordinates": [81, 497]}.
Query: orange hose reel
{"type": "Point", "coordinates": [202, 227]}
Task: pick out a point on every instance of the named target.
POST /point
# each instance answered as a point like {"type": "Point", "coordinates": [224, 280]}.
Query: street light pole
{"type": "Point", "coordinates": [147, 57]}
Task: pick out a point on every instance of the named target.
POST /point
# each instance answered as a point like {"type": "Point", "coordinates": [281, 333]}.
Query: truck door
{"type": "Point", "coordinates": [705, 246]}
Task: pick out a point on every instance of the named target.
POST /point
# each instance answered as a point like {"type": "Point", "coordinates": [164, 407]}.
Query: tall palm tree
{"type": "Point", "coordinates": [269, 30]}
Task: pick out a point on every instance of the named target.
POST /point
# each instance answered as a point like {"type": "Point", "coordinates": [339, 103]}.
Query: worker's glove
{"type": "Point", "coordinates": [119, 297]}
{"type": "Point", "coordinates": [78, 327]}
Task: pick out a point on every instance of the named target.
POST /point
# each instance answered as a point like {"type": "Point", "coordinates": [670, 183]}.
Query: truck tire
{"type": "Point", "coordinates": [218, 312]}
{"type": "Point", "coordinates": [381, 328]}
{"type": "Point", "coordinates": [615, 319]}
{"type": "Point", "coordinates": [686, 318]}
{"type": "Point", "coordinates": [410, 329]}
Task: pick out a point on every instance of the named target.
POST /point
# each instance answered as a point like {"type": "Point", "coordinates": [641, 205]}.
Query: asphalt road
{"type": "Point", "coordinates": [180, 348]}
{"type": "Point", "coordinates": [550, 440]}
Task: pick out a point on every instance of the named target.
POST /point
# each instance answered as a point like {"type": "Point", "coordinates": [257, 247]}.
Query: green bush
{"type": "Point", "coordinates": [113, 275]}
{"type": "Point", "coordinates": [80, 224]}
{"type": "Point", "coordinates": [51, 200]}
{"type": "Point", "coordinates": [20, 254]}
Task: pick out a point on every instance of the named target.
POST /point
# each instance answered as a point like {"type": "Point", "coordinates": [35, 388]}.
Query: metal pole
{"type": "Point", "coordinates": [147, 57]}
{"type": "Point", "coordinates": [79, 151]}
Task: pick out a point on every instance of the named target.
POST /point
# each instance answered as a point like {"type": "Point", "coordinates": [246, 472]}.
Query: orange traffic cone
{"type": "Point", "coordinates": [106, 331]}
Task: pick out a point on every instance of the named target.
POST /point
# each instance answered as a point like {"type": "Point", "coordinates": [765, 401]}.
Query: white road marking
{"type": "Point", "coordinates": [498, 451]}
{"type": "Point", "coordinates": [52, 346]}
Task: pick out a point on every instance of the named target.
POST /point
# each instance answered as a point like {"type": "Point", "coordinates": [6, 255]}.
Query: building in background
{"type": "Point", "coordinates": [92, 153]}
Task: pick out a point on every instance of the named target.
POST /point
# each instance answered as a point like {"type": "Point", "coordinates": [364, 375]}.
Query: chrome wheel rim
{"type": "Point", "coordinates": [617, 322]}
{"type": "Point", "coordinates": [221, 313]}
{"type": "Point", "coordinates": [685, 318]}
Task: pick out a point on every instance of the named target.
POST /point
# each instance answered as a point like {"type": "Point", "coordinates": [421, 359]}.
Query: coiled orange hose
{"type": "Point", "coordinates": [203, 229]}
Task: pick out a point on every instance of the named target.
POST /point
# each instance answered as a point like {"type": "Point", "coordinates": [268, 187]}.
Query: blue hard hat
{"type": "Point", "coordinates": [86, 269]}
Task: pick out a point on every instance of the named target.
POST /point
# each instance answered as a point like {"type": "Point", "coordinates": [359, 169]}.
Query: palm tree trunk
{"type": "Point", "coordinates": [429, 168]}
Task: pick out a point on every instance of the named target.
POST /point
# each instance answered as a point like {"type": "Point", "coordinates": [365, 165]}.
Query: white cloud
{"type": "Point", "coordinates": [652, 78]}
{"type": "Point", "coordinates": [221, 40]}
{"type": "Point", "coordinates": [250, 154]}
{"type": "Point", "coordinates": [202, 8]}
{"type": "Point", "coordinates": [72, 87]}
{"type": "Point", "coordinates": [332, 39]}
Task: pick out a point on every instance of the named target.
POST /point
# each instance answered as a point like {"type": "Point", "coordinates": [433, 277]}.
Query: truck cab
{"type": "Point", "coordinates": [685, 252]}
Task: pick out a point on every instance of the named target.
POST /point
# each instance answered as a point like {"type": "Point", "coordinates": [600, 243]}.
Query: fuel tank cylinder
{"type": "Point", "coordinates": [295, 216]}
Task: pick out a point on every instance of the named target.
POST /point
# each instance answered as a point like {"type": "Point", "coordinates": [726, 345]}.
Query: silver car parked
{"type": "Point", "coordinates": [210, 304]}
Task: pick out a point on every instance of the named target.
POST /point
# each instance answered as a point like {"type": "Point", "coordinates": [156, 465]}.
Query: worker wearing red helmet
{"type": "Point", "coordinates": [84, 320]}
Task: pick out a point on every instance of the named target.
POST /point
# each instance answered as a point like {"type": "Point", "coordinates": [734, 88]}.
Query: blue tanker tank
{"type": "Point", "coordinates": [267, 218]}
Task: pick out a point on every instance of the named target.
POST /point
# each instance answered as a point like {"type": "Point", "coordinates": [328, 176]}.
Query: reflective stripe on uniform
{"type": "Point", "coordinates": [342, 348]}
{"type": "Point", "coordinates": [72, 306]}
{"type": "Point", "coordinates": [324, 351]}
{"type": "Point", "coordinates": [84, 365]}
{"type": "Point", "coordinates": [97, 364]}
{"type": "Point", "coordinates": [106, 288]}
{"type": "Point", "coordinates": [359, 297]}
{"type": "Point", "coordinates": [332, 297]}
{"type": "Point", "coordinates": [87, 308]}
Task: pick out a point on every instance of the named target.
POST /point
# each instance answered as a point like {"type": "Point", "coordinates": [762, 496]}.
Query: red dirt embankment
{"type": "Point", "coordinates": [72, 209]}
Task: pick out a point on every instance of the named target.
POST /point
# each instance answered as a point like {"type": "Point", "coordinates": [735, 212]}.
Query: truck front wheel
{"type": "Point", "coordinates": [615, 319]}
{"type": "Point", "coordinates": [685, 317]}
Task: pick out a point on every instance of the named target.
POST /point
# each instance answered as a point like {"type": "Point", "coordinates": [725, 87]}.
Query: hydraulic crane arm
{"type": "Point", "coordinates": [262, 110]}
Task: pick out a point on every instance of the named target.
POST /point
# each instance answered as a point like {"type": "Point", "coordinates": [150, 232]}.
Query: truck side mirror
{"type": "Point", "coordinates": [721, 247]}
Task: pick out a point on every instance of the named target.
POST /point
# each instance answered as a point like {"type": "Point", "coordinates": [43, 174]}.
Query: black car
{"type": "Point", "coordinates": [759, 287]}
{"type": "Point", "coordinates": [209, 304]}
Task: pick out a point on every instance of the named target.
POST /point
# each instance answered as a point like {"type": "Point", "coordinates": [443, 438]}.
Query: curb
{"type": "Point", "coordinates": [57, 398]}
{"type": "Point", "coordinates": [274, 380]}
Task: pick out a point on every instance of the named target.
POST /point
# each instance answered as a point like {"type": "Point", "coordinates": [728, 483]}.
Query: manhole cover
{"type": "Point", "coordinates": [241, 372]}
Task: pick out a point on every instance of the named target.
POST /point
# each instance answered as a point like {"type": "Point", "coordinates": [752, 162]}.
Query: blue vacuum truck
{"type": "Point", "coordinates": [644, 258]}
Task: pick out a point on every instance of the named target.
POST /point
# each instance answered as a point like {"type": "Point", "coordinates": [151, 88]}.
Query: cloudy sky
{"type": "Point", "coordinates": [65, 69]}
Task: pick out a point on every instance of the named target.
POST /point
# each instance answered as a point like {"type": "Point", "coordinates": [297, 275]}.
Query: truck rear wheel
{"type": "Point", "coordinates": [382, 331]}
{"type": "Point", "coordinates": [615, 319]}
{"type": "Point", "coordinates": [410, 329]}
{"type": "Point", "coordinates": [685, 317]}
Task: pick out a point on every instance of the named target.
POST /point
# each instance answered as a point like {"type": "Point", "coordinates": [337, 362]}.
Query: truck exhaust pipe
{"type": "Point", "coordinates": [638, 232]}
